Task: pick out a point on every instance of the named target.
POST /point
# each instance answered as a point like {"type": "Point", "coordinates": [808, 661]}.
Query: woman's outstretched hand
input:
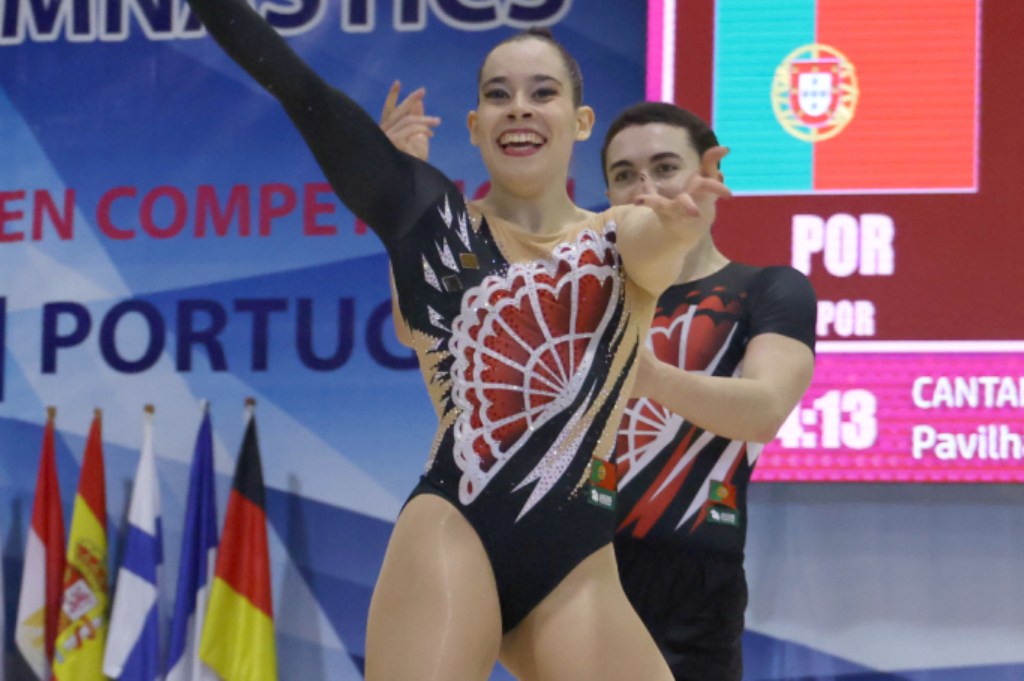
{"type": "Point", "coordinates": [691, 212]}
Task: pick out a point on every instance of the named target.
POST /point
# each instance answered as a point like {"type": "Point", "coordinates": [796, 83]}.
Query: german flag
{"type": "Point", "coordinates": [82, 630]}
{"type": "Point", "coordinates": [238, 635]}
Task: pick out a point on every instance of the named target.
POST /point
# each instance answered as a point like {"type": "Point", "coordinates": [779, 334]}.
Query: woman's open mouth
{"type": "Point", "coordinates": [520, 142]}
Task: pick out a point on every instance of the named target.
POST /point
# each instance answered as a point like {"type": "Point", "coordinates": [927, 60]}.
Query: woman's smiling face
{"type": "Point", "coordinates": [526, 121]}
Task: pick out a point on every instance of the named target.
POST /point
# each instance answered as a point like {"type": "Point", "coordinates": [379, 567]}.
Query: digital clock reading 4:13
{"type": "Point", "coordinates": [839, 419]}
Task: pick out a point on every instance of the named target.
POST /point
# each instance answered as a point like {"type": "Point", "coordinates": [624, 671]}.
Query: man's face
{"type": "Point", "coordinates": [655, 158]}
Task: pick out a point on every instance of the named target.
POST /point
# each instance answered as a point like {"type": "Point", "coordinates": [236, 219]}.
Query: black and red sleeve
{"type": "Point", "coordinates": [783, 302]}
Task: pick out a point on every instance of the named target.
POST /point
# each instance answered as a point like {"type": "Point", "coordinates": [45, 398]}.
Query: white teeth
{"type": "Point", "coordinates": [520, 138]}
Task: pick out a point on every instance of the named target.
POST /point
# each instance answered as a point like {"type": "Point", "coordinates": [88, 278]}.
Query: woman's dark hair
{"type": "Point", "coordinates": [571, 67]}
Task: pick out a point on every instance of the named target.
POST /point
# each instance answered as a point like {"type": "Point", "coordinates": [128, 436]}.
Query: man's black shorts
{"type": "Point", "coordinates": [693, 605]}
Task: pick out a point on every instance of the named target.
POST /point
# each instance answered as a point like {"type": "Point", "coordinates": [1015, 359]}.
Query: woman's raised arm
{"type": "Point", "coordinates": [366, 171]}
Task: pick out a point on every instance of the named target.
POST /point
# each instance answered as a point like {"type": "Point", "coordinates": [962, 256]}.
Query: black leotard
{"type": "Point", "coordinates": [526, 343]}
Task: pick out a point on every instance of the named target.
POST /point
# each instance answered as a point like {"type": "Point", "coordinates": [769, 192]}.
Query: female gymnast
{"type": "Point", "coordinates": [526, 313]}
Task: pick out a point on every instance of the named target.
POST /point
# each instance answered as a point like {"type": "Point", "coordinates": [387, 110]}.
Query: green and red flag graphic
{"type": "Point", "coordinates": [847, 95]}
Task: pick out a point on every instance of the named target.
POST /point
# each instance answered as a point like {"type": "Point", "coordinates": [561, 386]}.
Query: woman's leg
{"type": "Point", "coordinates": [434, 614]}
{"type": "Point", "coordinates": [584, 629]}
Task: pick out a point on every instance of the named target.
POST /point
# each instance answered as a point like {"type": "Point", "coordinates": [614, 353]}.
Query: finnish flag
{"type": "Point", "coordinates": [133, 640]}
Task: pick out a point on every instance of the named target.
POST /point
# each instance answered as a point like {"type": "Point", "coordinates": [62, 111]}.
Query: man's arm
{"type": "Point", "coordinates": [776, 369]}
{"type": "Point", "coordinates": [776, 372]}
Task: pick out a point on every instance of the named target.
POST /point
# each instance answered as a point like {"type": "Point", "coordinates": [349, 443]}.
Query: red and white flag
{"type": "Point", "coordinates": [43, 573]}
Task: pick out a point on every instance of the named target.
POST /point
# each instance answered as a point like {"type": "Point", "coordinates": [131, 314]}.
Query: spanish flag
{"type": "Point", "coordinates": [238, 635]}
{"type": "Point", "coordinates": [82, 630]}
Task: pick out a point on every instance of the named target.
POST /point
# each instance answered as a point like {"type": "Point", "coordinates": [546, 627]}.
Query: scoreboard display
{"type": "Point", "coordinates": [875, 148]}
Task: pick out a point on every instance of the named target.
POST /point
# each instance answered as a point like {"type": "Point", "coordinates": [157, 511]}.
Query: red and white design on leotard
{"type": "Point", "coordinates": [523, 345]}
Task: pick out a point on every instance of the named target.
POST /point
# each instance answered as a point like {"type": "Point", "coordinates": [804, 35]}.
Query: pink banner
{"type": "Point", "coordinates": [904, 416]}
{"type": "Point", "coordinates": [656, 50]}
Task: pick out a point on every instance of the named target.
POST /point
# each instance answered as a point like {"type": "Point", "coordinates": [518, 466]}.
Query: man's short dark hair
{"type": "Point", "coordinates": [702, 137]}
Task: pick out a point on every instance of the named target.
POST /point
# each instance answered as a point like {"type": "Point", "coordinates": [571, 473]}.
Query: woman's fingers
{"type": "Point", "coordinates": [710, 160]}
{"type": "Point", "coordinates": [681, 205]}
{"type": "Point", "coordinates": [709, 186]}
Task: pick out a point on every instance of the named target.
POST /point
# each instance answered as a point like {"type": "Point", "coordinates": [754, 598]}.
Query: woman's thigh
{"type": "Point", "coordinates": [584, 629]}
{"type": "Point", "coordinates": [434, 614]}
